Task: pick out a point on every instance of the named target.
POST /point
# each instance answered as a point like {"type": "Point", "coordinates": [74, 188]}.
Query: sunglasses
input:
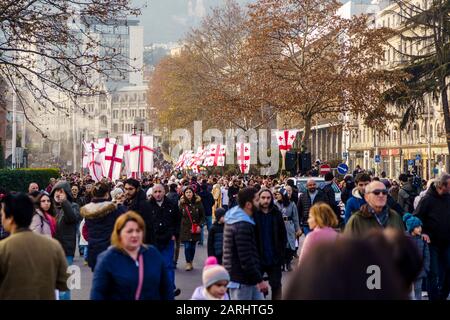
{"type": "Point", "coordinates": [380, 191]}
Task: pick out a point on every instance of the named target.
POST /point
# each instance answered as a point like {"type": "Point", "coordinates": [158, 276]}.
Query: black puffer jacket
{"type": "Point", "coordinates": [67, 216]}
{"type": "Point", "coordinates": [434, 211]}
{"type": "Point", "coordinates": [140, 205]}
{"type": "Point", "coordinates": [304, 204]}
{"type": "Point", "coordinates": [215, 241]}
{"type": "Point", "coordinates": [240, 251]}
{"type": "Point", "coordinates": [100, 215]}
{"type": "Point", "coordinates": [166, 221]}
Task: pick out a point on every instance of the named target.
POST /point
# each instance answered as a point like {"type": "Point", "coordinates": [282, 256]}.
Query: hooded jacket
{"type": "Point", "coordinates": [100, 216]}
{"type": "Point", "coordinates": [200, 293]}
{"type": "Point", "coordinates": [353, 204]}
{"type": "Point", "coordinates": [67, 216]}
{"type": "Point", "coordinates": [434, 212]}
{"type": "Point", "coordinates": [240, 251]}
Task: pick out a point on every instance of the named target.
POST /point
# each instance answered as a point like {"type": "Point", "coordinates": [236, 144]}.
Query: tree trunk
{"type": "Point", "coordinates": [445, 109]}
{"type": "Point", "coordinates": [306, 139]}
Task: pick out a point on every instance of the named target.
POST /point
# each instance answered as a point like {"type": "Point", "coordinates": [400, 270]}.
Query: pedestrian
{"type": "Point", "coordinates": [327, 188]}
{"type": "Point", "coordinates": [192, 217]}
{"type": "Point", "coordinates": [233, 191]}
{"type": "Point", "coordinates": [67, 215]}
{"type": "Point", "coordinates": [88, 193]}
{"type": "Point", "coordinates": [51, 185]}
{"type": "Point", "coordinates": [217, 195]}
{"type": "Point", "coordinates": [130, 270]}
{"type": "Point", "coordinates": [414, 229]}
{"type": "Point", "coordinates": [83, 242]}
{"type": "Point", "coordinates": [240, 251]}
{"type": "Point", "coordinates": [394, 190]}
{"type": "Point", "coordinates": [271, 239]}
{"type": "Point", "coordinates": [75, 189]}
{"type": "Point", "coordinates": [289, 213]}
{"type": "Point", "coordinates": [33, 186]}
{"type": "Point", "coordinates": [375, 214]}
{"type": "Point", "coordinates": [306, 200]}
{"type": "Point", "coordinates": [224, 192]}
{"type": "Point", "coordinates": [100, 216]}
{"type": "Point", "coordinates": [347, 189]}
{"type": "Point", "coordinates": [322, 222]}
{"type": "Point", "coordinates": [136, 200]}
{"type": "Point", "coordinates": [215, 236]}
{"type": "Point", "coordinates": [407, 193]}
{"type": "Point", "coordinates": [166, 227]}
{"type": "Point", "coordinates": [3, 233]}
{"type": "Point", "coordinates": [433, 210]}
{"type": "Point", "coordinates": [215, 279]}
{"type": "Point", "coordinates": [423, 193]}
{"type": "Point", "coordinates": [118, 195]}
{"type": "Point", "coordinates": [355, 202]}
{"type": "Point", "coordinates": [43, 221]}
{"type": "Point", "coordinates": [208, 203]}
{"type": "Point", "coordinates": [32, 267]}
{"type": "Point", "coordinates": [173, 195]}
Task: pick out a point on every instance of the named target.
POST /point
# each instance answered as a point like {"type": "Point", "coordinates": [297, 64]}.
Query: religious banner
{"type": "Point", "coordinates": [243, 156]}
{"type": "Point", "coordinates": [141, 153]}
{"type": "Point", "coordinates": [285, 141]}
{"type": "Point", "coordinates": [112, 162]}
{"type": "Point", "coordinates": [94, 162]}
{"type": "Point", "coordinates": [215, 156]}
{"type": "Point", "coordinates": [126, 155]}
{"type": "Point", "coordinates": [102, 143]}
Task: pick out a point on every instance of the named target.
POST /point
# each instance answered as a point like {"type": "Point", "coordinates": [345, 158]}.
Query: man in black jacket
{"type": "Point", "coordinates": [434, 211]}
{"type": "Point", "coordinates": [305, 202]}
{"type": "Point", "coordinates": [271, 238]}
{"type": "Point", "coordinates": [327, 188]}
{"type": "Point", "coordinates": [240, 252]}
{"type": "Point", "coordinates": [166, 227]}
{"type": "Point", "coordinates": [136, 201]}
{"type": "Point", "coordinates": [232, 193]}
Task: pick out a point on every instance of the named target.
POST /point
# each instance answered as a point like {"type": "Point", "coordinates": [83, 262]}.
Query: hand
{"type": "Point", "coordinates": [426, 238]}
{"type": "Point", "coordinates": [263, 286]}
{"type": "Point", "coordinates": [299, 233]}
{"type": "Point", "coordinates": [173, 238]}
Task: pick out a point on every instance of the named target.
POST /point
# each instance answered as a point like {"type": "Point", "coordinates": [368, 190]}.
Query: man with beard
{"type": "Point", "coordinates": [271, 238]}
{"type": "Point", "coordinates": [240, 252]}
{"type": "Point", "coordinates": [306, 201]}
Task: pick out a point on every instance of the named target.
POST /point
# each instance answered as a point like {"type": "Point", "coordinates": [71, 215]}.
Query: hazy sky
{"type": "Point", "coordinates": [169, 20]}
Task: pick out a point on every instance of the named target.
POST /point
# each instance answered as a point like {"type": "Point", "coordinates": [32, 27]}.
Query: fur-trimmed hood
{"type": "Point", "coordinates": [184, 200]}
{"type": "Point", "coordinates": [95, 210]}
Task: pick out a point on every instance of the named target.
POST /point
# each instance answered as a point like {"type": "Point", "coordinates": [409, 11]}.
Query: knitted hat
{"type": "Point", "coordinates": [220, 212]}
{"type": "Point", "coordinates": [116, 192]}
{"type": "Point", "coordinates": [213, 272]}
{"type": "Point", "coordinates": [411, 222]}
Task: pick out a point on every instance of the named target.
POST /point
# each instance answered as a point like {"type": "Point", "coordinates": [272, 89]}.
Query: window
{"type": "Point", "coordinates": [115, 127]}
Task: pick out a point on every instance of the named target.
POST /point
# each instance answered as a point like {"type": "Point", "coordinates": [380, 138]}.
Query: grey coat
{"type": "Point", "coordinates": [292, 224]}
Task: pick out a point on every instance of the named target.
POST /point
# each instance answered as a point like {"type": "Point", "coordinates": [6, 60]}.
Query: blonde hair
{"type": "Point", "coordinates": [324, 215]}
{"type": "Point", "coordinates": [120, 224]}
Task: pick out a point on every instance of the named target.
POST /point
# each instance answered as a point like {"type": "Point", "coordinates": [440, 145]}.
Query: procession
{"type": "Point", "coordinates": [228, 150]}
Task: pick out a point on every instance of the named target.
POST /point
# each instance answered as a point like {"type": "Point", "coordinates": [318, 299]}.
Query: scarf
{"type": "Point", "coordinates": [382, 217]}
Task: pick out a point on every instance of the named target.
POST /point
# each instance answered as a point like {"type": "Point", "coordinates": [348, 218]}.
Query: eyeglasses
{"type": "Point", "coordinates": [380, 191]}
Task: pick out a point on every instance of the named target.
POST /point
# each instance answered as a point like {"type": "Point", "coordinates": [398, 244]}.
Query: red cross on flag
{"type": "Point", "coordinates": [215, 156]}
{"type": "Point", "coordinates": [243, 156]}
{"type": "Point", "coordinates": [102, 143]}
{"type": "Point", "coordinates": [141, 153]}
{"type": "Point", "coordinates": [94, 162]}
{"type": "Point", "coordinates": [86, 152]}
{"type": "Point", "coordinates": [126, 155]}
{"type": "Point", "coordinates": [198, 158]}
{"type": "Point", "coordinates": [285, 139]}
{"type": "Point", "coordinates": [113, 158]}
{"type": "Point", "coordinates": [180, 162]}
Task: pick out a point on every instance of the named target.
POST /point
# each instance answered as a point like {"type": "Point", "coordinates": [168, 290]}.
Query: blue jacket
{"type": "Point", "coordinates": [353, 204]}
{"type": "Point", "coordinates": [424, 252]}
{"type": "Point", "coordinates": [116, 276]}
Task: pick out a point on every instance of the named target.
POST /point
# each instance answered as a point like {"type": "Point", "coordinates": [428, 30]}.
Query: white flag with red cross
{"type": "Point", "coordinates": [102, 143]}
{"type": "Point", "coordinates": [243, 156]}
{"type": "Point", "coordinates": [86, 151]}
{"type": "Point", "coordinates": [286, 139]}
{"type": "Point", "coordinates": [198, 158]}
{"type": "Point", "coordinates": [215, 156]}
{"type": "Point", "coordinates": [126, 155]}
{"type": "Point", "coordinates": [112, 161]}
{"type": "Point", "coordinates": [94, 162]}
{"type": "Point", "coordinates": [141, 153]}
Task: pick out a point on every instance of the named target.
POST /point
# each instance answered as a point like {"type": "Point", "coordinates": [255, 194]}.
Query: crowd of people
{"type": "Point", "coordinates": [130, 232]}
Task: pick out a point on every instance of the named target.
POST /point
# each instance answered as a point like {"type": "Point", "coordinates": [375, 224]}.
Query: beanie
{"type": "Point", "coordinates": [213, 272]}
{"type": "Point", "coordinates": [411, 222]}
{"type": "Point", "coordinates": [220, 212]}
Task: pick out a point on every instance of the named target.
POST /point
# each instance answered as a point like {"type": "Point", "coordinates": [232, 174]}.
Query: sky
{"type": "Point", "coordinates": [169, 20]}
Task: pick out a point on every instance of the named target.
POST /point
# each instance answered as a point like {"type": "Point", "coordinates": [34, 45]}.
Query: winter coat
{"type": "Point", "coordinates": [41, 224]}
{"type": "Point", "coordinates": [363, 221]}
{"type": "Point", "coordinates": [100, 216]}
{"type": "Point", "coordinates": [166, 221]}
{"type": "Point", "coordinates": [200, 293]}
{"type": "Point", "coordinates": [215, 241]}
{"type": "Point", "coordinates": [197, 213]}
{"type": "Point", "coordinates": [141, 206]}
{"type": "Point", "coordinates": [424, 252]}
{"type": "Point", "coordinates": [327, 188]}
{"type": "Point", "coordinates": [353, 204]}
{"type": "Point", "coordinates": [278, 234]}
{"type": "Point", "coordinates": [31, 267]}
{"type": "Point", "coordinates": [316, 237]}
{"type": "Point", "coordinates": [418, 198]}
{"type": "Point", "coordinates": [217, 195]}
{"type": "Point", "coordinates": [434, 212]}
{"type": "Point", "coordinates": [173, 196]}
{"type": "Point", "coordinates": [304, 204]}
{"type": "Point", "coordinates": [393, 191]}
{"type": "Point", "coordinates": [406, 196]}
{"type": "Point", "coordinates": [347, 192]}
{"type": "Point", "coordinates": [207, 201]}
{"type": "Point", "coordinates": [67, 218]}
{"type": "Point", "coordinates": [290, 217]}
{"type": "Point", "coordinates": [116, 276]}
{"type": "Point", "coordinates": [232, 196]}
{"type": "Point", "coordinates": [240, 251]}
{"type": "Point", "coordinates": [225, 199]}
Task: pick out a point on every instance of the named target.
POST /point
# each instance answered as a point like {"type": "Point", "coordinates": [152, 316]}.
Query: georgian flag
{"type": "Point", "coordinates": [243, 156]}
{"type": "Point", "coordinates": [215, 156]}
{"type": "Point", "coordinates": [285, 139]}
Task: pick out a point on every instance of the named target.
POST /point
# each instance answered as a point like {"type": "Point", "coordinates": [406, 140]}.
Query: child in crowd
{"type": "Point", "coordinates": [414, 228]}
{"type": "Point", "coordinates": [215, 281]}
{"type": "Point", "coordinates": [215, 236]}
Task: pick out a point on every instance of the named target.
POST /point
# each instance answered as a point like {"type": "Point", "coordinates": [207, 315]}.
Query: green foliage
{"type": "Point", "coordinates": [19, 179]}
